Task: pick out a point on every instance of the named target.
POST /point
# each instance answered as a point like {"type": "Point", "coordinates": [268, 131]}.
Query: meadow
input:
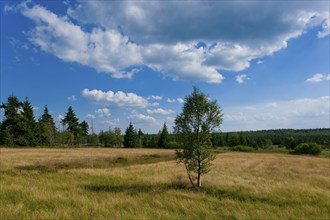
{"type": "Point", "coordinates": [103, 183]}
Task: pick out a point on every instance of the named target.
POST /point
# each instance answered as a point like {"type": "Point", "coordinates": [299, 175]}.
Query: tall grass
{"type": "Point", "coordinates": [147, 184]}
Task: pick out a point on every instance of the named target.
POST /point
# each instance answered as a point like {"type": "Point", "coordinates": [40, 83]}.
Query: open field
{"type": "Point", "coordinates": [104, 183]}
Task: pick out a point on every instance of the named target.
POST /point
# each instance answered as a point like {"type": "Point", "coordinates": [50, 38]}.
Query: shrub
{"type": "Point", "coordinates": [308, 148]}
{"type": "Point", "coordinates": [242, 148]}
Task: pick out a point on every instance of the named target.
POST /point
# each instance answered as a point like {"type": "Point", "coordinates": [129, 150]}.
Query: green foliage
{"type": "Point", "coordinates": [71, 122]}
{"type": "Point", "coordinates": [6, 138]}
{"type": "Point", "coordinates": [83, 128]}
{"type": "Point", "coordinates": [193, 127]}
{"type": "Point", "coordinates": [233, 139]}
{"type": "Point", "coordinates": [265, 138]}
{"type": "Point", "coordinates": [140, 138]}
{"type": "Point", "coordinates": [131, 137]}
{"type": "Point", "coordinates": [46, 129]}
{"type": "Point", "coordinates": [163, 138]}
{"type": "Point", "coordinates": [111, 138]}
{"type": "Point", "coordinates": [308, 148]}
{"type": "Point", "coordinates": [64, 138]}
{"type": "Point", "coordinates": [242, 148]}
{"type": "Point", "coordinates": [93, 140]}
{"type": "Point", "coordinates": [78, 130]}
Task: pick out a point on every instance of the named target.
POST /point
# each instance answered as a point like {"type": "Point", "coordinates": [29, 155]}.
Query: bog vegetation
{"type": "Point", "coordinates": [109, 183]}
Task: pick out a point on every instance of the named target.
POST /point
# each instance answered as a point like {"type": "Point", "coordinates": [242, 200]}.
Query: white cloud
{"type": "Point", "coordinates": [142, 118]}
{"type": "Point", "coordinates": [325, 27]}
{"type": "Point", "coordinates": [170, 100]}
{"type": "Point", "coordinates": [114, 99]}
{"type": "Point", "coordinates": [160, 111]}
{"type": "Point", "coordinates": [155, 97]}
{"type": "Point", "coordinates": [72, 98]}
{"type": "Point", "coordinates": [103, 112]}
{"type": "Point", "coordinates": [260, 62]}
{"type": "Point", "coordinates": [60, 117]}
{"type": "Point", "coordinates": [35, 108]}
{"type": "Point", "coordinates": [154, 104]}
{"type": "Point", "coordinates": [169, 44]}
{"type": "Point", "coordinates": [318, 77]}
{"type": "Point", "coordinates": [180, 100]}
{"type": "Point", "coordinates": [104, 50]}
{"type": "Point", "coordinates": [241, 78]}
{"type": "Point", "coordinates": [298, 113]}
{"type": "Point", "coordinates": [90, 116]}
{"type": "Point", "coordinates": [112, 122]}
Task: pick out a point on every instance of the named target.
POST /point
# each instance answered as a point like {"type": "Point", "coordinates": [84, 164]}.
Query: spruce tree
{"type": "Point", "coordinates": [131, 137]}
{"type": "Point", "coordinates": [163, 139]}
{"type": "Point", "coordinates": [71, 121]}
{"type": "Point", "coordinates": [84, 128]}
{"type": "Point", "coordinates": [46, 128]}
{"type": "Point", "coordinates": [28, 125]}
{"type": "Point", "coordinates": [11, 129]}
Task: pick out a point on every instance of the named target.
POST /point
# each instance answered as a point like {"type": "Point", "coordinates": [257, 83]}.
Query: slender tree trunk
{"type": "Point", "coordinates": [199, 175]}
{"type": "Point", "coordinates": [189, 176]}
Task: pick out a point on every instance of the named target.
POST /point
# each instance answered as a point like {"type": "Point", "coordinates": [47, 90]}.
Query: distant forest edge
{"type": "Point", "coordinates": [20, 128]}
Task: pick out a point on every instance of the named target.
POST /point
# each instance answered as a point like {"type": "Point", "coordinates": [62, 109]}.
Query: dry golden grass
{"type": "Point", "coordinates": [13, 157]}
{"type": "Point", "coordinates": [239, 186]}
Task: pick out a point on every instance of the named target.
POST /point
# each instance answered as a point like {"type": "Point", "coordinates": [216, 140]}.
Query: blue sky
{"type": "Point", "coordinates": [266, 63]}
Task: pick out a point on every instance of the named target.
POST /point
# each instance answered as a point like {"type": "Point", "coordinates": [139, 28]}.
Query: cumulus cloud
{"type": "Point", "coordinates": [318, 77]}
{"type": "Point", "coordinates": [154, 104]}
{"type": "Point", "coordinates": [104, 50]}
{"type": "Point", "coordinates": [197, 42]}
{"type": "Point", "coordinates": [142, 118]}
{"type": "Point", "coordinates": [112, 122]}
{"type": "Point", "coordinates": [155, 97]}
{"type": "Point", "coordinates": [90, 116]}
{"type": "Point", "coordinates": [241, 78]}
{"type": "Point", "coordinates": [180, 100]}
{"type": "Point", "coordinates": [114, 99]}
{"type": "Point", "coordinates": [170, 100]}
{"type": "Point", "coordinates": [160, 111]}
{"type": "Point", "coordinates": [72, 98]}
{"type": "Point", "coordinates": [298, 113]}
{"type": "Point", "coordinates": [103, 112]}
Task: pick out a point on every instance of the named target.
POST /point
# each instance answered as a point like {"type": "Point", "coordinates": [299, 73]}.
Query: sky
{"type": "Point", "coordinates": [266, 63]}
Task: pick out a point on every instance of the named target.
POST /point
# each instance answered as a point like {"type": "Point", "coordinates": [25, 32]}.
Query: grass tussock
{"type": "Point", "coordinates": [148, 184]}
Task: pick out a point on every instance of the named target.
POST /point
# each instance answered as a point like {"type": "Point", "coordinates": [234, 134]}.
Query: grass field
{"type": "Point", "coordinates": [99, 183]}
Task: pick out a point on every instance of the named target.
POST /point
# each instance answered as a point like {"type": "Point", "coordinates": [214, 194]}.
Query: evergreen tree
{"type": "Point", "coordinates": [118, 137]}
{"type": "Point", "coordinates": [28, 125]}
{"type": "Point", "coordinates": [130, 137]}
{"type": "Point", "coordinates": [46, 128]}
{"type": "Point", "coordinates": [140, 137]}
{"type": "Point", "coordinates": [84, 128]}
{"type": "Point", "coordinates": [71, 121]}
{"type": "Point", "coordinates": [11, 129]}
{"type": "Point", "coordinates": [163, 139]}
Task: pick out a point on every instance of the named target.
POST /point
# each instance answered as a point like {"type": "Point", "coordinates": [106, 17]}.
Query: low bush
{"type": "Point", "coordinates": [242, 148]}
{"type": "Point", "coordinates": [308, 148]}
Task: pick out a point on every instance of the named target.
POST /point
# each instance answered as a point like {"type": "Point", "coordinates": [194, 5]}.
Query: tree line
{"type": "Point", "coordinates": [289, 138]}
{"type": "Point", "coordinates": [20, 128]}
